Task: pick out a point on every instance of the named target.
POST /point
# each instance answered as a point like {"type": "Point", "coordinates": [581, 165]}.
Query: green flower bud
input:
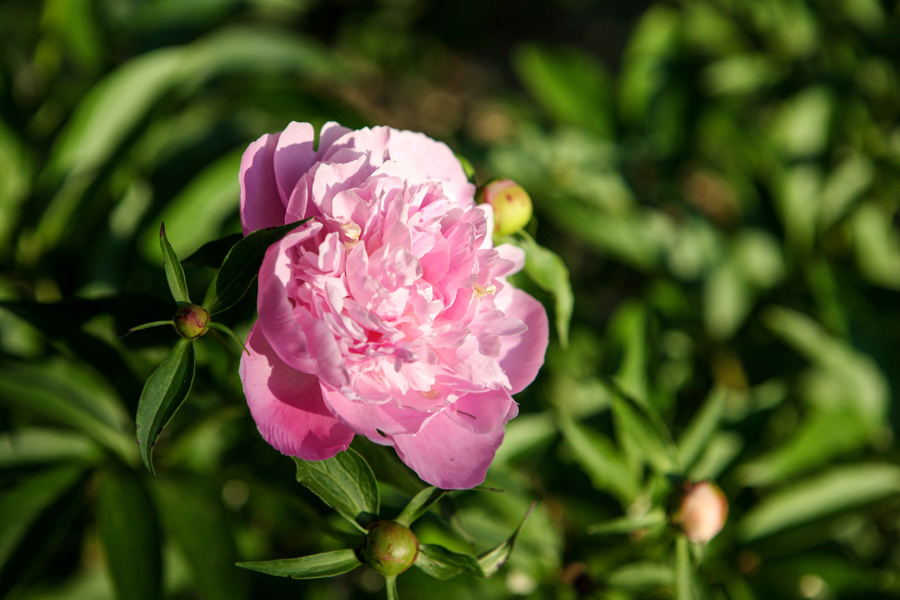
{"type": "Point", "coordinates": [191, 321]}
{"type": "Point", "coordinates": [512, 205]}
{"type": "Point", "coordinates": [702, 512]}
{"type": "Point", "coordinates": [390, 548]}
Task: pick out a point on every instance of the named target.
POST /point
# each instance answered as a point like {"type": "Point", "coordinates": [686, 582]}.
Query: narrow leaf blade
{"type": "Point", "coordinates": [419, 505]}
{"type": "Point", "coordinates": [441, 563]}
{"type": "Point", "coordinates": [345, 483]}
{"type": "Point", "coordinates": [326, 564]}
{"type": "Point", "coordinates": [174, 272]}
{"type": "Point", "coordinates": [684, 574]}
{"type": "Point", "coordinates": [550, 273]}
{"type": "Point", "coordinates": [241, 266]}
{"type": "Point", "coordinates": [492, 560]}
{"type": "Point", "coordinates": [164, 392]}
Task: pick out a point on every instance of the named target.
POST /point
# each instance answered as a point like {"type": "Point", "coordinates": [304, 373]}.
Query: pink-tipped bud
{"type": "Point", "coordinates": [191, 321]}
{"type": "Point", "coordinates": [703, 511]}
{"type": "Point", "coordinates": [390, 548]}
{"type": "Point", "coordinates": [512, 205]}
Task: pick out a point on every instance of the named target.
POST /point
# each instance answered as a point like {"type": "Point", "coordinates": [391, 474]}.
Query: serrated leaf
{"type": "Point", "coordinates": [195, 519]}
{"type": "Point", "coordinates": [836, 490]}
{"type": "Point", "coordinates": [212, 254]}
{"type": "Point", "coordinates": [241, 266]}
{"type": "Point", "coordinates": [345, 483]}
{"type": "Point", "coordinates": [130, 533]}
{"type": "Point", "coordinates": [174, 272]}
{"type": "Point", "coordinates": [441, 563]}
{"type": "Point", "coordinates": [550, 273]}
{"type": "Point", "coordinates": [326, 564]}
{"type": "Point", "coordinates": [491, 561]}
{"type": "Point", "coordinates": [21, 506]}
{"type": "Point", "coordinates": [165, 391]}
{"type": "Point", "coordinates": [419, 505]}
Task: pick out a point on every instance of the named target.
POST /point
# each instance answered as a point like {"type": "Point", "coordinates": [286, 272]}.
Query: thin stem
{"type": "Point", "coordinates": [148, 326]}
{"type": "Point", "coordinates": [227, 331]}
{"type": "Point", "coordinates": [390, 583]}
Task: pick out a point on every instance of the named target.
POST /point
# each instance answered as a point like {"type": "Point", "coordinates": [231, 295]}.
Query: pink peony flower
{"type": "Point", "coordinates": [388, 315]}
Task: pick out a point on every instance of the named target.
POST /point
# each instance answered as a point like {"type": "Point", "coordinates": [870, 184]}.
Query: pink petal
{"type": "Point", "coordinates": [448, 456]}
{"type": "Point", "coordinates": [433, 157]}
{"type": "Point", "coordinates": [294, 156]}
{"type": "Point", "coordinates": [261, 204]}
{"type": "Point", "coordinates": [287, 405]}
{"type": "Point", "coordinates": [522, 355]}
{"type": "Point", "coordinates": [368, 419]}
{"type": "Point", "coordinates": [483, 412]}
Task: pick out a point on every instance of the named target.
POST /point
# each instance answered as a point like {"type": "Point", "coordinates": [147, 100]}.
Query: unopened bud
{"type": "Point", "coordinates": [703, 511]}
{"type": "Point", "coordinates": [191, 321]}
{"type": "Point", "coordinates": [390, 548]}
{"type": "Point", "coordinates": [512, 205]}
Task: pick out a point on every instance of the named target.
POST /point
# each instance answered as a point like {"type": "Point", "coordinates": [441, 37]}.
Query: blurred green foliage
{"type": "Point", "coordinates": [721, 177]}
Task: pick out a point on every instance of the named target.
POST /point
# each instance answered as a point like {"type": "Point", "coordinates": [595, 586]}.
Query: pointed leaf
{"type": "Point", "coordinates": [628, 524]}
{"type": "Point", "coordinates": [441, 563]}
{"type": "Point", "coordinates": [163, 394]}
{"type": "Point", "coordinates": [21, 506]}
{"type": "Point", "coordinates": [212, 254]}
{"type": "Point", "coordinates": [684, 573]}
{"type": "Point", "coordinates": [130, 534]}
{"type": "Point", "coordinates": [38, 445]}
{"type": "Point", "coordinates": [598, 457]}
{"type": "Point", "coordinates": [326, 564]}
{"type": "Point", "coordinates": [174, 272]}
{"type": "Point", "coordinates": [701, 429]}
{"type": "Point", "coordinates": [241, 266]}
{"type": "Point", "coordinates": [550, 273]}
{"type": "Point", "coordinates": [419, 505]}
{"type": "Point", "coordinates": [345, 483]}
{"type": "Point", "coordinates": [637, 421]}
{"type": "Point", "coordinates": [492, 560]}
{"type": "Point", "coordinates": [387, 467]}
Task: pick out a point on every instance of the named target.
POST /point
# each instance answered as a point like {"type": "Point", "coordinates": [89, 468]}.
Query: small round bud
{"type": "Point", "coordinates": [390, 548]}
{"type": "Point", "coordinates": [191, 321]}
{"type": "Point", "coordinates": [512, 205]}
{"type": "Point", "coordinates": [703, 511]}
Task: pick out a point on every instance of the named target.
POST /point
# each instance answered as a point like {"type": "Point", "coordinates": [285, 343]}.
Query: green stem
{"type": "Point", "coordinates": [391, 584]}
{"type": "Point", "coordinates": [227, 331]}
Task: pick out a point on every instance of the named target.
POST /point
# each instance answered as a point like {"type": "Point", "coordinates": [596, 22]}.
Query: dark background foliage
{"type": "Point", "coordinates": [720, 176]}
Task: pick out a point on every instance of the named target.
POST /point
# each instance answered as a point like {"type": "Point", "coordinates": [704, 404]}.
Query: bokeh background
{"type": "Point", "coordinates": [721, 177]}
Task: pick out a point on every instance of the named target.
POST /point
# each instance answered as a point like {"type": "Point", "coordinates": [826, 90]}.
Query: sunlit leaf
{"type": "Point", "coordinates": [491, 561]}
{"type": "Point", "coordinates": [549, 272]}
{"type": "Point", "coordinates": [326, 564]}
{"type": "Point", "coordinates": [684, 572]}
{"type": "Point", "coordinates": [441, 563]}
{"type": "Point", "coordinates": [627, 524]}
{"type": "Point", "coordinates": [165, 391]}
{"type": "Point", "coordinates": [419, 505]}
{"type": "Point", "coordinates": [28, 446]}
{"type": "Point", "coordinates": [174, 272]}
{"type": "Point", "coordinates": [345, 483]}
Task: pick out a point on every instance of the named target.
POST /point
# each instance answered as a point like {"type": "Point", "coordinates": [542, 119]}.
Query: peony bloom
{"type": "Point", "coordinates": [387, 315]}
{"type": "Point", "coordinates": [703, 511]}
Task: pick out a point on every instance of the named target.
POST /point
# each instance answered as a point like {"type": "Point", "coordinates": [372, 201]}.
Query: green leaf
{"type": "Point", "coordinates": [212, 254]}
{"type": "Point", "coordinates": [326, 564]}
{"type": "Point", "coordinates": [174, 272]}
{"type": "Point", "coordinates": [345, 483]}
{"type": "Point", "coordinates": [491, 561]}
{"type": "Point", "coordinates": [599, 458]}
{"type": "Point", "coordinates": [241, 266]}
{"type": "Point", "coordinates": [163, 394]}
{"type": "Point", "coordinates": [419, 505]}
{"type": "Point", "coordinates": [549, 272]}
{"type": "Point", "coordinates": [387, 467]}
{"type": "Point", "coordinates": [21, 506]}
{"type": "Point", "coordinates": [684, 573]}
{"type": "Point", "coordinates": [701, 429]}
{"type": "Point", "coordinates": [838, 489]}
{"type": "Point", "coordinates": [628, 524]}
{"type": "Point", "coordinates": [129, 530]}
{"type": "Point", "coordinates": [37, 445]}
{"type": "Point", "coordinates": [195, 519]}
{"type": "Point", "coordinates": [441, 563]}
{"type": "Point", "coordinates": [643, 427]}
{"type": "Point", "coordinates": [467, 167]}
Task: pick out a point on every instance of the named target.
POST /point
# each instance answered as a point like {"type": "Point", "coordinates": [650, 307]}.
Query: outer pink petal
{"type": "Point", "coordinates": [483, 412]}
{"type": "Point", "coordinates": [261, 204]}
{"type": "Point", "coordinates": [287, 405]}
{"type": "Point", "coordinates": [293, 156]}
{"type": "Point", "coordinates": [433, 157]}
{"type": "Point", "coordinates": [522, 355]}
{"type": "Point", "coordinates": [366, 418]}
{"type": "Point", "coordinates": [301, 341]}
{"type": "Point", "coordinates": [447, 455]}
